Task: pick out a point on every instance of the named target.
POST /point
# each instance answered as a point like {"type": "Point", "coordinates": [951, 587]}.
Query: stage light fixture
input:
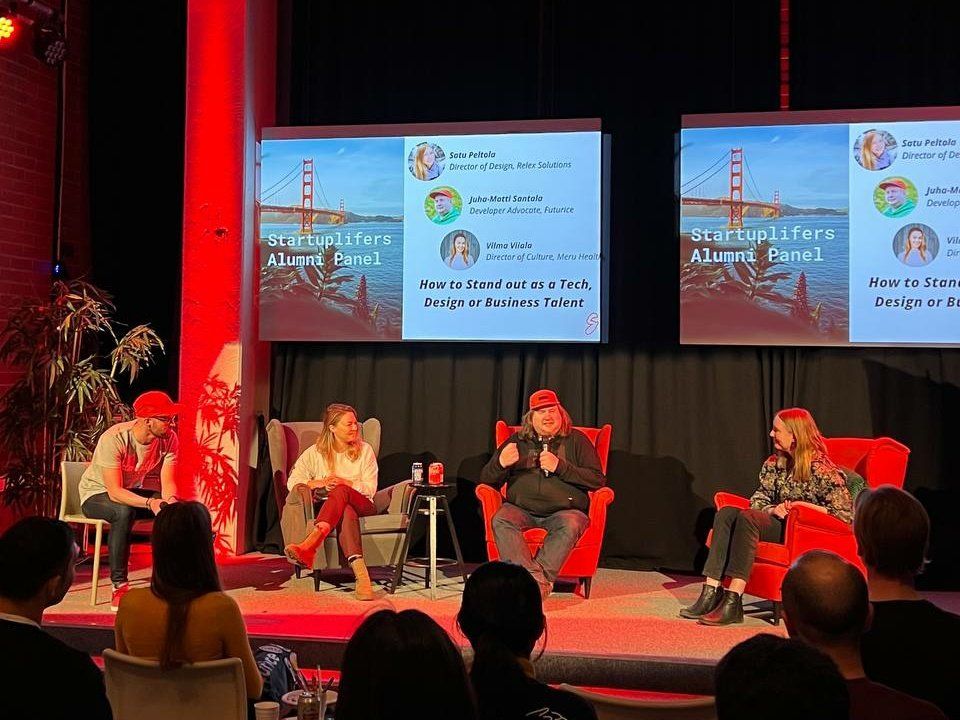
{"type": "Point", "coordinates": [49, 44]}
{"type": "Point", "coordinates": [8, 25]}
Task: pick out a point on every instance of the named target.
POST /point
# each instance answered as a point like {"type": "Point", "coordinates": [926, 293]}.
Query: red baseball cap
{"type": "Point", "coordinates": [894, 182]}
{"type": "Point", "coordinates": [154, 403]}
{"type": "Point", "coordinates": [442, 191]}
{"type": "Point", "coordinates": [543, 398]}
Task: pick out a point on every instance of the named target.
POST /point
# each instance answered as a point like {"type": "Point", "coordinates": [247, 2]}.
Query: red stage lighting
{"type": "Point", "coordinates": [8, 26]}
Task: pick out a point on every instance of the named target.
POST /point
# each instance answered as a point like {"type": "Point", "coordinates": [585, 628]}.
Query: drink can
{"type": "Point", "coordinates": [436, 473]}
{"type": "Point", "coordinates": [416, 473]}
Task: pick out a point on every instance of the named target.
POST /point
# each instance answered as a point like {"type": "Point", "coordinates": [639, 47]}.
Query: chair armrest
{"type": "Point", "coordinates": [809, 529]}
{"type": "Point", "coordinates": [806, 519]}
{"type": "Point", "coordinates": [725, 499]}
{"type": "Point", "coordinates": [490, 500]}
{"type": "Point", "coordinates": [599, 500]}
{"type": "Point", "coordinates": [297, 516]}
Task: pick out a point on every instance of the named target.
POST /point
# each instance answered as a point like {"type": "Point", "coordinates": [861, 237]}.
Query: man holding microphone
{"type": "Point", "coordinates": [548, 467]}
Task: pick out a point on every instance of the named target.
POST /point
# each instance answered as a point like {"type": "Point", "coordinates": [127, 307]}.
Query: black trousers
{"type": "Point", "coordinates": [121, 518]}
{"type": "Point", "coordinates": [736, 533]}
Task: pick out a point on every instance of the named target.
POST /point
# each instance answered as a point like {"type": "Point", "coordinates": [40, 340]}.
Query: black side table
{"type": "Point", "coordinates": [430, 500]}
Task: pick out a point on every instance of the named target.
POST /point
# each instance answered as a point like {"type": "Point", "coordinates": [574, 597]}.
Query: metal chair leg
{"type": "Point", "coordinates": [95, 578]}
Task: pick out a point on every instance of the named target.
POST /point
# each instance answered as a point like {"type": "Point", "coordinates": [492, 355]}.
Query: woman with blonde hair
{"type": "Point", "coordinates": [915, 248]}
{"type": "Point", "coordinates": [344, 466]}
{"type": "Point", "coordinates": [460, 257]}
{"type": "Point", "coordinates": [425, 165]}
{"type": "Point", "coordinates": [873, 151]}
{"type": "Point", "coordinates": [798, 473]}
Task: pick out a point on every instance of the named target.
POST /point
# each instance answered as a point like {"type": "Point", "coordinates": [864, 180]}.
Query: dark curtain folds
{"type": "Point", "coordinates": [687, 421]}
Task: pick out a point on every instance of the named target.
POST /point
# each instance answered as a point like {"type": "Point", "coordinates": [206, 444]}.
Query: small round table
{"type": "Point", "coordinates": [429, 501]}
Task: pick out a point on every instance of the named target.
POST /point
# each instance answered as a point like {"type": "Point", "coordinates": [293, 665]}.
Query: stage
{"type": "Point", "coordinates": [627, 635]}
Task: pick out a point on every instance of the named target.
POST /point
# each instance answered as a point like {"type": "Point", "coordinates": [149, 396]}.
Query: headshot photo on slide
{"type": "Point", "coordinates": [916, 245]}
{"type": "Point", "coordinates": [875, 150]}
{"type": "Point", "coordinates": [895, 197]}
{"type": "Point", "coordinates": [460, 249]}
{"type": "Point", "coordinates": [425, 161]}
{"type": "Point", "coordinates": [442, 205]}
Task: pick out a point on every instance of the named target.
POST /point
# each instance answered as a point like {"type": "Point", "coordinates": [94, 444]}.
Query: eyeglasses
{"type": "Point", "coordinates": [168, 419]}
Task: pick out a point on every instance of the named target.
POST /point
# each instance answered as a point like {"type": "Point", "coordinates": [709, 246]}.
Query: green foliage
{"type": "Point", "coordinates": [68, 393]}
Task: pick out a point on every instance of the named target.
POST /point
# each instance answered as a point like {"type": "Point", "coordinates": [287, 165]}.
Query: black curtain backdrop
{"type": "Point", "coordinates": [687, 421]}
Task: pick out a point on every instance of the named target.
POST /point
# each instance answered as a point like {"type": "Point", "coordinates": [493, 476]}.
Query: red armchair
{"type": "Point", "coordinates": [582, 562]}
{"type": "Point", "coordinates": [880, 461]}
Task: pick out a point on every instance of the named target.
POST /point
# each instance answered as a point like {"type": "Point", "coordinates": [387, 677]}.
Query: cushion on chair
{"type": "Point", "coordinates": [855, 482]}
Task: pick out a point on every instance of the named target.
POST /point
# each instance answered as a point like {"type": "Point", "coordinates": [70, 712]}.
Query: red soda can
{"type": "Point", "coordinates": [435, 476]}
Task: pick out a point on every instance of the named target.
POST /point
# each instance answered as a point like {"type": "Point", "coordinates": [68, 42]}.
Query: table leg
{"type": "Point", "coordinates": [405, 548]}
{"type": "Point", "coordinates": [432, 500]}
{"type": "Point", "coordinates": [453, 536]}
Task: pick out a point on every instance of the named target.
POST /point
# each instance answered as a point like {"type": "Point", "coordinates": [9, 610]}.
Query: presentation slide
{"type": "Point", "coordinates": [463, 232]}
{"type": "Point", "coordinates": [821, 228]}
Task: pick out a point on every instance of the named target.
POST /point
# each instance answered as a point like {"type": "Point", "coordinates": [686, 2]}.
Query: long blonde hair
{"type": "Point", "coordinates": [807, 442]}
{"type": "Point", "coordinates": [867, 159]}
{"type": "Point", "coordinates": [325, 443]}
{"type": "Point", "coordinates": [908, 246]}
{"type": "Point", "coordinates": [420, 169]}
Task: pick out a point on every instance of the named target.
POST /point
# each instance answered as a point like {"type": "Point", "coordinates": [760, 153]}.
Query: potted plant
{"type": "Point", "coordinates": [72, 363]}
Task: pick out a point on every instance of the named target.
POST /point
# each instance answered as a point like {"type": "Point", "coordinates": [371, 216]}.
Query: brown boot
{"type": "Point", "coordinates": [364, 589]}
{"type": "Point", "coordinates": [303, 553]}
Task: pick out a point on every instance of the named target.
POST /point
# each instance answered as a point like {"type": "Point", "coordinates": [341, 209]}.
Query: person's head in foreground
{"type": "Point", "coordinates": [37, 556]}
{"type": "Point", "coordinates": [502, 617]}
{"type": "Point", "coordinates": [184, 568]}
{"type": "Point", "coordinates": [825, 601]}
{"type": "Point", "coordinates": [893, 533]}
{"type": "Point", "coordinates": [771, 677]}
{"type": "Point", "coordinates": [403, 665]}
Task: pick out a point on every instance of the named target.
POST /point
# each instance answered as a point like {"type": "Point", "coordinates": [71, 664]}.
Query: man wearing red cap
{"type": "Point", "coordinates": [446, 212]}
{"type": "Point", "coordinates": [896, 202]}
{"type": "Point", "coordinates": [548, 467]}
{"type": "Point", "coordinates": [128, 456]}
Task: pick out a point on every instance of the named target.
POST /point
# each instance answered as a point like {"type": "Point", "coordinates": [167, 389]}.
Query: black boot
{"type": "Point", "coordinates": [709, 597]}
{"type": "Point", "coordinates": [728, 611]}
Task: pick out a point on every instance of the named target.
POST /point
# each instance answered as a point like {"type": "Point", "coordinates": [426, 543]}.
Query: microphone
{"type": "Point", "coordinates": [546, 446]}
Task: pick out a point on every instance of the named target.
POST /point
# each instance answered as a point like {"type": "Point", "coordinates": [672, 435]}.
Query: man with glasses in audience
{"type": "Point", "coordinates": [132, 459]}
{"type": "Point", "coordinates": [40, 676]}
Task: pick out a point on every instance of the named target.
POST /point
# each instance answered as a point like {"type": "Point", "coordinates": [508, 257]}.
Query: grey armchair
{"type": "Point", "coordinates": [382, 534]}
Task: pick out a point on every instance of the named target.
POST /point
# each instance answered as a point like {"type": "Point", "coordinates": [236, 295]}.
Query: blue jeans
{"type": "Point", "coordinates": [563, 527]}
{"type": "Point", "coordinates": [121, 518]}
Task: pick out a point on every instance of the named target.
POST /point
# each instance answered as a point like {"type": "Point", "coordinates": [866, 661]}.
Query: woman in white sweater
{"type": "Point", "coordinates": [344, 465]}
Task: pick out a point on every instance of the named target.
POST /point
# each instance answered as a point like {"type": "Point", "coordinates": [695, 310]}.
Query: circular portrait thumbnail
{"type": "Point", "coordinates": [875, 150]}
{"type": "Point", "coordinates": [916, 244]}
{"type": "Point", "coordinates": [895, 197]}
{"type": "Point", "coordinates": [425, 161]}
{"type": "Point", "coordinates": [460, 249]}
{"type": "Point", "coordinates": [443, 205]}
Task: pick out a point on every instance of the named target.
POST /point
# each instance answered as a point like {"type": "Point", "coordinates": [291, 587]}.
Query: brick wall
{"type": "Point", "coordinates": [28, 124]}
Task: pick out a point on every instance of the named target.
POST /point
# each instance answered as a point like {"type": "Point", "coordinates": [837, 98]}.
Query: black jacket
{"type": "Point", "coordinates": [529, 488]}
{"type": "Point", "coordinates": [41, 677]}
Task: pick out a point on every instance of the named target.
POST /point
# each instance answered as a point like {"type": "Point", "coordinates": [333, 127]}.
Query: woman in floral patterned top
{"type": "Point", "coordinates": [798, 473]}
